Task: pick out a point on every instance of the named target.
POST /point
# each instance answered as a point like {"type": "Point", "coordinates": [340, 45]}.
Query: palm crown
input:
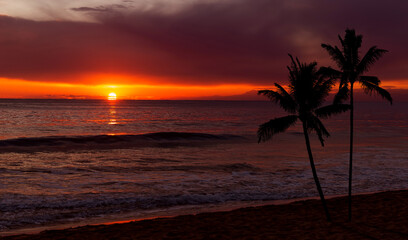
{"type": "Point", "coordinates": [352, 67]}
{"type": "Point", "coordinates": [308, 88]}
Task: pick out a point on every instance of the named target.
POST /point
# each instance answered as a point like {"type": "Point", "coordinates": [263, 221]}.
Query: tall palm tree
{"type": "Point", "coordinates": [308, 89]}
{"type": "Point", "coordinates": [352, 68]}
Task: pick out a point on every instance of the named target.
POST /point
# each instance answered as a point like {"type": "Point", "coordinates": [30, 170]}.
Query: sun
{"type": "Point", "coordinates": [112, 96]}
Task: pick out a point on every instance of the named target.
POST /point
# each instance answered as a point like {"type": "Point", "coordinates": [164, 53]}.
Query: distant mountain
{"type": "Point", "coordinates": [248, 96]}
{"type": "Point", "coordinates": [399, 95]}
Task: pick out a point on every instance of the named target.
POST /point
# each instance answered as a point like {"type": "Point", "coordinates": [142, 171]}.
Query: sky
{"type": "Point", "coordinates": [185, 49]}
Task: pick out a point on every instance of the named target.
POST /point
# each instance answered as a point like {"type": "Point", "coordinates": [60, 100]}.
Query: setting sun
{"type": "Point", "coordinates": [112, 96]}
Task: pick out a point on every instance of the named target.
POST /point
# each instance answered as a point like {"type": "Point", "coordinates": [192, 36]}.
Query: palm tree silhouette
{"type": "Point", "coordinates": [352, 68]}
{"type": "Point", "coordinates": [308, 88]}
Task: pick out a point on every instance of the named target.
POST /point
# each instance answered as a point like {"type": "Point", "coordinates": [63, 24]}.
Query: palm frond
{"type": "Point", "coordinates": [344, 80]}
{"type": "Point", "coordinates": [351, 45]}
{"type": "Point", "coordinates": [288, 104]}
{"type": "Point", "coordinates": [341, 40]}
{"type": "Point", "coordinates": [282, 91]}
{"type": "Point", "coordinates": [342, 95]}
{"type": "Point", "coordinates": [327, 111]}
{"type": "Point", "coordinates": [369, 88]}
{"type": "Point", "coordinates": [303, 84]}
{"type": "Point", "coordinates": [281, 96]}
{"type": "Point", "coordinates": [335, 54]}
{"type": "Point", "coordinates": [324, 85]}
{"type": "Point", "coordinates": [274, 126]}
{"type": "Point", "coordinates": [294, 72]}
{"type": "Point", "coordinates": [371, 79]}
{"type": "Point", "coordinates": [313, 123]}
{"type": "Point", "coordinates": [330, 72]}
{"type": "Point", "coordinates": [372, 55]}
{"type": "Point", "coordinates": [295, 65]}
{"type": "Point", "coordinates": [321, 90]}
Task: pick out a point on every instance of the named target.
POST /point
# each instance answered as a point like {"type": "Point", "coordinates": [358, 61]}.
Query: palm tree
{"type": "Point", "coordinates": [352, 68]}
{"type": "Point", "coordinates": [308, 88]}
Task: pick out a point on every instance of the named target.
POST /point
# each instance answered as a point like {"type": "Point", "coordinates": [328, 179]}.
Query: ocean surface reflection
{"type": "Point", "coordinates": [85, 159]}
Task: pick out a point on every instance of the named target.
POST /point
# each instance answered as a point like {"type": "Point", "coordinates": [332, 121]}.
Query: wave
{"type": "Point", "coordinates": [235, 167]}
{"type": "Point", "coordinates": [42, 210]}
{"type": "Point", "coordinates": [228, 168]}
{"type": "Point", "coordinates": [159, 139]}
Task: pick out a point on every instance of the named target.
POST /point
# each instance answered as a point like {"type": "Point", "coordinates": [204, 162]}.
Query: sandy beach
{"type": "Point", "coordinates": [375, 216]}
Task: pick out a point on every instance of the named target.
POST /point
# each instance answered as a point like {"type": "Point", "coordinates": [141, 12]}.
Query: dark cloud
{"type": "Point", "coordinates": [99, 9]}
{"type": "Point", "coordinates": [248, 96]}
{"type": "Point", "coordinates": [87, 9]}
{"type": "Point", "coordinates": [242, 41]}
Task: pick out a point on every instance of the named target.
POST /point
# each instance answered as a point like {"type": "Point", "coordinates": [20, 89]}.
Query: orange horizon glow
{"type": "Point", "coordinates": [16, 88]}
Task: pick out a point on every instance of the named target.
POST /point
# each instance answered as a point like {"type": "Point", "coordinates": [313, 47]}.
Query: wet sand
{"type": "Point", "coordinates": [375, 216]}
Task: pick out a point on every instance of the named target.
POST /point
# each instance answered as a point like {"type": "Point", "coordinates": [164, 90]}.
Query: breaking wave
{"type": "Point", "coordinates": [159, 139]}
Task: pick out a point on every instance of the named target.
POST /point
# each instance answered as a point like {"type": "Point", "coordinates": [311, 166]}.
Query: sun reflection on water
{"type": "Point", "coordinates": [112, 114]}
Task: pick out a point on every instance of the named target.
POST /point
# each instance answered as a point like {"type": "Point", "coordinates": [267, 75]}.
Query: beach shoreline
{"type": "Point", "coordinates": [156, 213]}
{"type": "Point", "coordinates": [376, 216]}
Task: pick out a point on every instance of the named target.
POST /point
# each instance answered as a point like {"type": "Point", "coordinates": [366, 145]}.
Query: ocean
{"type": "Point", "coordinates": [87, 161]}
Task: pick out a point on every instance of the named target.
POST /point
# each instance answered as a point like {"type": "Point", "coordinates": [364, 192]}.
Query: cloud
{"type": "Point", "coordinates": [247, 96]}
{"type": "Point", "coordinates": [87, 9]}
{"type": "Point", "coordinates": [100, 8]}
{"type": "Point", "coordinates": [210, 42]}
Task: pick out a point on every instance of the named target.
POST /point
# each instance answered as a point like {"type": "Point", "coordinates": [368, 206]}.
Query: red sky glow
{"type": "Point", "coordinates": [184, 50]}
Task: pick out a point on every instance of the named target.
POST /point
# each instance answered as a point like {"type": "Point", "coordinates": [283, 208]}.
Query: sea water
{"type": "Point", "coordinates": [69, 161]}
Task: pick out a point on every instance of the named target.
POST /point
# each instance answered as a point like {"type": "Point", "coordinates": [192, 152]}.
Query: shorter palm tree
{"type": "Point", "coordinates": [308, 89]}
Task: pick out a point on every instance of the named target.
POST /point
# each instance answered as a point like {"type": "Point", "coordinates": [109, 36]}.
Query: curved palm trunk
{"type": "Point", "coordinates": [316, 179]}
{"type": "Point", "coordinates": [351, 150]}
